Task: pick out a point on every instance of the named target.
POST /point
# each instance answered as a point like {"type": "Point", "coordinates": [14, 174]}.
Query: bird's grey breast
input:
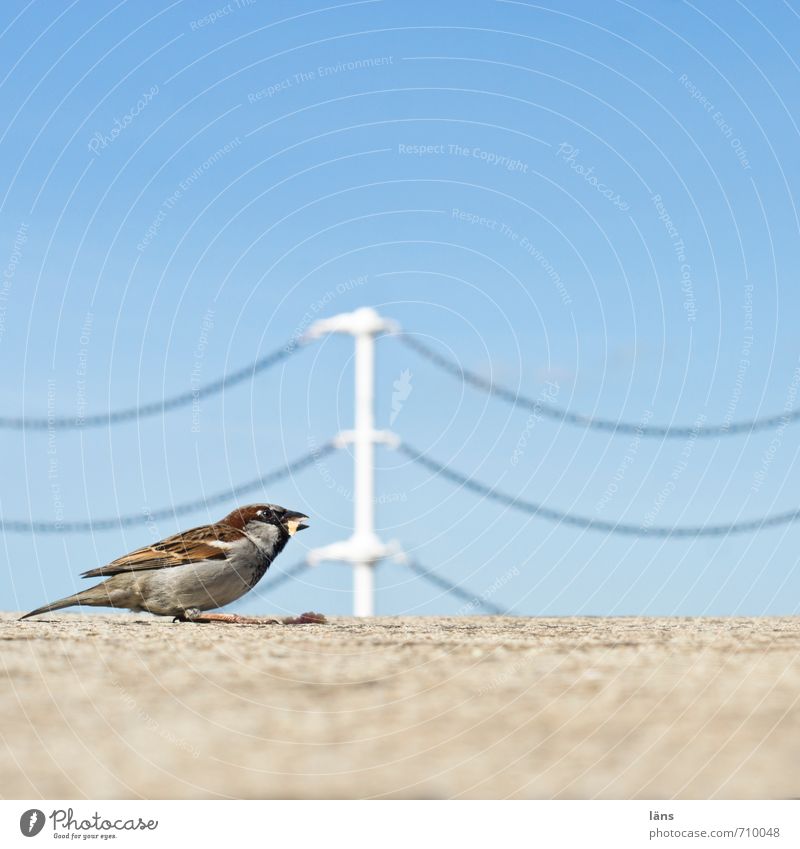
{"type": "Point", "coordinates": [269, 543]}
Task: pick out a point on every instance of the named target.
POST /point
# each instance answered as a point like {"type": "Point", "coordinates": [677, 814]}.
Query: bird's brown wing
{"type": "Point", "coordinates": [187, 547]}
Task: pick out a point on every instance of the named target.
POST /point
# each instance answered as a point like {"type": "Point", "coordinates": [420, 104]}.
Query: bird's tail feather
{"type": "Point", "coordinates": [88, 596]}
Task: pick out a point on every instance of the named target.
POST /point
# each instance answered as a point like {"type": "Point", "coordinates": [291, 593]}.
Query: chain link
{"type": "Point", "coordinates": [586, 523]}
{"type": "Point", "coordinates": [129, 521]}
{"type": "Point", "coordinates": [455, 589]}
{"type": "Point", "coordinates": [155, 407]}
{"type": "Point", "coordinates": [543, 408]}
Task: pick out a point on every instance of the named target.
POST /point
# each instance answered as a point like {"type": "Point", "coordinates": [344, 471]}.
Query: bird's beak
{"type": "Point", "coordinates": [294, 522]}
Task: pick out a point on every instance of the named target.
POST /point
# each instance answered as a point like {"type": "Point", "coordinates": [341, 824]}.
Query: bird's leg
{"type": "Point", "coordinates": [234, 619]}
{"type": "Point", "coordinates": [202, 618]}
{"type": "Point", "coordinates": [190, 615]}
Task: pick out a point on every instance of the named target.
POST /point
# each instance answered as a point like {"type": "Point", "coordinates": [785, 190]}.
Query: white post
{"type": "Point", "coordinates": [363, 550]}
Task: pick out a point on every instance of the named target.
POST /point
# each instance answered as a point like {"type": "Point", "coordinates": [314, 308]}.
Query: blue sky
{"type": "Point", "coordinates": [591, 200]}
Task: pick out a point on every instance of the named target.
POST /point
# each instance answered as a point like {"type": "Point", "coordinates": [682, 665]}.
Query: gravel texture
{"type": "Point", "coordinates": [480, 707]}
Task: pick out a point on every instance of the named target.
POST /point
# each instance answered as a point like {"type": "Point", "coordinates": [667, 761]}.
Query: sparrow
{"type": "Point", "coordinates": [194, 571]}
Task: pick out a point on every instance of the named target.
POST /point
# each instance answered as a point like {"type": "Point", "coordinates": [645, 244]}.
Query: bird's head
{"type": "Point", "coordinates": [255, 516]}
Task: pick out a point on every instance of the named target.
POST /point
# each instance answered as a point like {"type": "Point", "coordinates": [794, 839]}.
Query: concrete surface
{"type": "Point", "coordinates": [131, 706]}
